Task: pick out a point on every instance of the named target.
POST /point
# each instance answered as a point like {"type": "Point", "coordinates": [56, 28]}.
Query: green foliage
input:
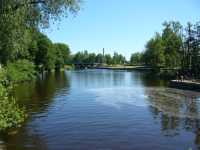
{"type": "Point", "coordinates": [62, 55]}
{"type": "Point", "coordinates": [92, 57]}
{"type": "Point", "coordinates": [136, 59]}
{"type": "Point", "coordinates": [191, 49]}
{"type": "Point", "coordinates": [40, 12]}
{"type": "Point", "coordinates": [154, 54]}
{"type": "Point", "coordinates": [108, 59]}
{"type": "Point", "coordinates": [85, 57]}
{"type": "Point", "coordinates": [11, 115]}
{"type": "Point", "coordinates": [14, 36]}
{"type": "Point", "coordinates": [19, 28]}
{"type": "Point", "coordinates": [99, 58]}
{"type": "Point", "coordinates": [164, 50]}
{"type": "Point", "coordinates": [43, 51]}
{"type": "Point", "coordinates": [118, 59]}
{"type": "Point", "coordinates": [174, 49]}
{"type": "Point", "coordinates": [172, 43]}
{"type": "Point", "coordinates": [21, 70]}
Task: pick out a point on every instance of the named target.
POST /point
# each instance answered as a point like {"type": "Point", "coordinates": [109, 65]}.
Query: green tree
{"type": "Point", "coordinates": [136, 58]}
{"type": "Point", "coordinates": [118, 58]}
{"type": "Point", "coordinates": [99, 58]}
{"type": "Point", "coordinates": [19, 71]}
{"type": "Point", "coordinates": [18, 17]}
{"type": "Point", "coordinates": [108, 59]}
{"type": "Point", "coordinates": [77, 58]}
{"type": "Point", "coordinates": [40, 12]}
{"type": "Point", "coordinates": [172, 43]}
{"type": "Point", "coordinates": [14, 35]}
{"type": "Point", "coordinates": [154, 53]}
{"type": "Point", "coordinates": [62, 55]}
{"type": "Point", "coordinates": [44, 59]}
{"type": "Point", "coordinates": [92, 57]}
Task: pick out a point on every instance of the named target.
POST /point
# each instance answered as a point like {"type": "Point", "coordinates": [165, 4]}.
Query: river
{"type": "Point", "coordinates": [105, 110]}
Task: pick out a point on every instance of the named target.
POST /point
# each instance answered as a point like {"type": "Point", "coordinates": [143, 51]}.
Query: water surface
{"type": "Point", "coordinates": [105, 110]}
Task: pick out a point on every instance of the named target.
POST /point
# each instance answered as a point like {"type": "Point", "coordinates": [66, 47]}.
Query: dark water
{"type": "Point", "coordinates": [106, 110]}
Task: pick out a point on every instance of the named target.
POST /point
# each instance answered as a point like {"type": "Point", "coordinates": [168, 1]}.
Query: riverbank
{"type": "Point", "coordinates": [121, 67]}
{"type": "Point", "coordinates": [185, 84]}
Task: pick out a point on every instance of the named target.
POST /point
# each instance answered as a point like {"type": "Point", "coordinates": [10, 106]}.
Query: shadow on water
{"type": "Point", "coordinates": [38, 95]}
{"type": "Point", "coordinates": [151, 79]}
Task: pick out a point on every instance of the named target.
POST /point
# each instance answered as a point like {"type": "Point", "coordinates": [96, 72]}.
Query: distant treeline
{"type": "Point", "coordinates": [85, 57]}
{"type": "Point", "coordinates": [176, 47]}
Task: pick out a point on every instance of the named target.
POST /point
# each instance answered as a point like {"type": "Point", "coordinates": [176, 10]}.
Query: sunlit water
{"type": "Point", "coordinates": [105, 110]}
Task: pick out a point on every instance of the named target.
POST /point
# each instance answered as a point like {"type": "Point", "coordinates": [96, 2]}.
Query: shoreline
{"type": "Point", "coordinates": [142, 68]}
{"type": "Point", "coordinates": [185, 85]}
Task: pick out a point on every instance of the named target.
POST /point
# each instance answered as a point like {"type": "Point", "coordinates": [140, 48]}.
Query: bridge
{"type": "Point", "coordinates": [86, 65]}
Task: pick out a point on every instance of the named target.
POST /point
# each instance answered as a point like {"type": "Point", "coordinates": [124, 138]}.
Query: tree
{"type": "Point", "coordinates": [77, 58]}
{"type": "Point", "coordinates": [44, 59]}
{"type": "Point", "coordinates": [154, 53]}
{"type": "Point", "coordinates": [172, 43]}
{"type": "Point", "coordinates": [19, 71]}
{"type": "Point", "coordinates": [99, 58]}
{"type": "Point", "coordinates": [191, 49]}
{"type": "Point", "coordinates": [136, 58]}
{"type": "Point", "coordinates": [62, 54]}
{"type": "Point", "coordinates": [108, 59]}
{"type": "Point", "coordinates": [14, 36]}
{"type": "Point", "coordinates": [91, 58]}
{"type": "Point", "coordinates": [40, 12]}
{"type": "Point", "coordinates": [18, 17]}
{"type": "Point", "coordinates": [118, 58]}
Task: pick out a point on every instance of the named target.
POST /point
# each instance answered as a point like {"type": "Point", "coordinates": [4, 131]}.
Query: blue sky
{"type": "Point", "coordinates": [120, 25]}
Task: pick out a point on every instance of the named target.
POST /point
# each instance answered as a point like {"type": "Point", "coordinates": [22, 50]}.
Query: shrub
{"type": "Point", "coordinates": [11, 115]}
{"type": "Point", "coordinates": [21, 70]}
{"type": "Point", "coordinates": [3, 77]}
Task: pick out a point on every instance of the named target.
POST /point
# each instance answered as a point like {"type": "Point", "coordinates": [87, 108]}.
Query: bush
{"type": "Point", "coordinates": [21, 70]}
{"type": "Point", "coordinates": [11, 115]}
{"type": "Point", "coordinates": [3, 77]}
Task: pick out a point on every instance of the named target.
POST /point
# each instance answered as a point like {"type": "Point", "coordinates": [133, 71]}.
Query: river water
{"type": "Point", "coordinates": [105, 110]}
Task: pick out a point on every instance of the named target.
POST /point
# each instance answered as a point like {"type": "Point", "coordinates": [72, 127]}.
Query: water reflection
{"type": "Point", "coordinates": [176, 110]}
{"type": "Point", "coordinates": [104, 109]}
{"type": "Point", "coordinates": [175, 102]}
{"type": "Point", "coordinates": [38, 95]}
{"type": "Point", "coordinates": [99, 79]}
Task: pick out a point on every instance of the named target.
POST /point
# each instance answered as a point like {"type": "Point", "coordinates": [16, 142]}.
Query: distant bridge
{"type": "Point", "coordinates": [86, 65]}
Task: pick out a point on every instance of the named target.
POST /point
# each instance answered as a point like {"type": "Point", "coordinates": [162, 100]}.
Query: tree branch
{"type": "Point", "coordinates": [33, 2]}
